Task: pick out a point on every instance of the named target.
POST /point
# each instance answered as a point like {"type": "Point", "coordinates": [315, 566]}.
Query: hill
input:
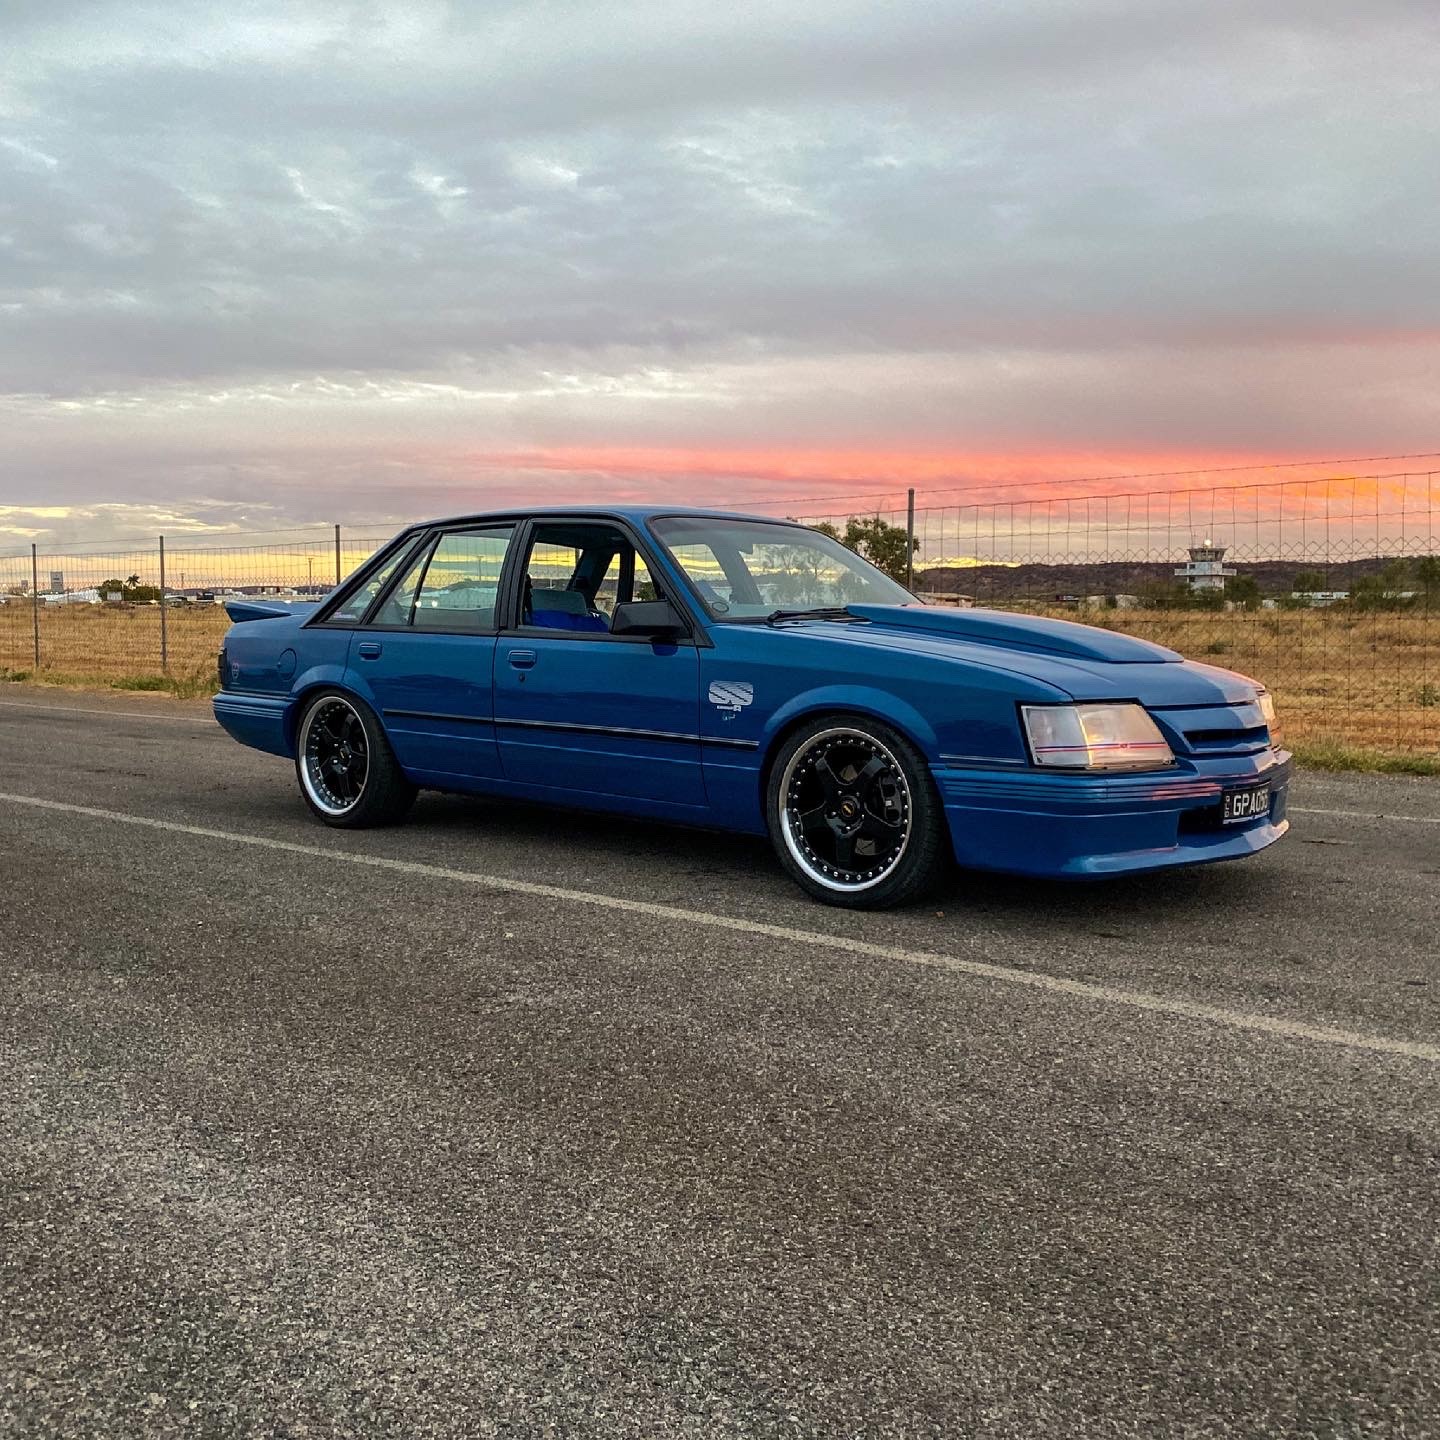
{"type": "Point", "coordinates": [1124, 577]}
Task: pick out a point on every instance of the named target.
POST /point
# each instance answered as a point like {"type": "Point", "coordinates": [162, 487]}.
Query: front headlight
{"type": "Point", "coordinates": [1095, 737]}
{"type": "Point", "coordinates": [1267, 709]}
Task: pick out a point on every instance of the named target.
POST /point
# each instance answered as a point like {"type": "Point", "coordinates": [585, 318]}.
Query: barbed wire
{"type": "Point", "coordinates": [1105, 479]}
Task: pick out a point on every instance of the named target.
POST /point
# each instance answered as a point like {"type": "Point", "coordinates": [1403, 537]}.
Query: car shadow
{"type": "Point", "coordinates": [1122, 903]}
{"type": "Point", "coordinates": [534, 820]}
{"type": "Point", "coordinates": [1125, 902]}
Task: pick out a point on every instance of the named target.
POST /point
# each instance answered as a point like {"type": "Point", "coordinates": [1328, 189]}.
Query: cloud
{"type": "Point", "coordinates": [340, 249]}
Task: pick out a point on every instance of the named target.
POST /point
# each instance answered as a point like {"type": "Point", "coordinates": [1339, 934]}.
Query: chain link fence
{"type": "Point", "coordinates": [1326, 590]}
{"type": "Point", "coordinates": [153, 617]}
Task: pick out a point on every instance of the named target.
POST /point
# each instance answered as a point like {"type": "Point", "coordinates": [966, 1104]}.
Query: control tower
{"type": "Point", "coordinates": [1207, 569]}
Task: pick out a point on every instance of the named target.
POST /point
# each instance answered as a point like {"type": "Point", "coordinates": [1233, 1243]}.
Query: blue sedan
{"type": "Point", "coordinates": [756, 676]}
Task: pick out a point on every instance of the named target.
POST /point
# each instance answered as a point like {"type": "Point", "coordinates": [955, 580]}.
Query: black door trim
{"type": "Point", "coordinates": [624, 732]}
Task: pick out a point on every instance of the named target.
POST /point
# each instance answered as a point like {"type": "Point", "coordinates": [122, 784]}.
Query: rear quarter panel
{"type": "Point", "coordinates": [270, 666]}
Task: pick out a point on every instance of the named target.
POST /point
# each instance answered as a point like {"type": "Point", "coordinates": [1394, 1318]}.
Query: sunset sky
{"type": "Point", "coordinates": [263, 264]}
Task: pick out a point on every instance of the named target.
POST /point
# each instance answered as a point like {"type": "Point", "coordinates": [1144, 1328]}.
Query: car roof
{"type": "Point", "coordinates": [636, 514]}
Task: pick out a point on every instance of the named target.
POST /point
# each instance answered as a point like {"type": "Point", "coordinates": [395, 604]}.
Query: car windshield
{"type": "Point", "coordinates": [749, 569]}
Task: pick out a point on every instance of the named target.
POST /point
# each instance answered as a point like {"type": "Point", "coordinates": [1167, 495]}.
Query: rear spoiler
{"type": "Point", "coordinates": [239, 610]}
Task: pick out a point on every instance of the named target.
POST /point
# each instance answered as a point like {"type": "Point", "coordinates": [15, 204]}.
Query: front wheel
{"type": "Point", "coordinates": [853, 814]}
{"type": "Point", "coordinates": [348, 774]}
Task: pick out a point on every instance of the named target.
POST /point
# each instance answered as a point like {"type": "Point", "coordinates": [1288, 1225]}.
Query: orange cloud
{"type": "Point", "coordinates": [777, 477]}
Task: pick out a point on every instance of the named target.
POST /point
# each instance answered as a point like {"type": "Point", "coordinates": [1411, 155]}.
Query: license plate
{"type": "Point", "coordinates": [1239, 806]}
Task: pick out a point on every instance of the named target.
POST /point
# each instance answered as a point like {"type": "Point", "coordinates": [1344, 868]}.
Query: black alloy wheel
{"type": "Point", "coordinates": [348, 773]}
{"type": "Point", "coordinates": [853, 813]}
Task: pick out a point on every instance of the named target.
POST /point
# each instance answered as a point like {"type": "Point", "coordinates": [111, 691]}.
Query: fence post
{"type": "Point", "coordinates": [35, 599]}
{"type": "Point", "coordinates": [164, 618]}
{"type": "Point", "coordinates": [338, 576]}
{"type": "Point", "coordinates": [910, 541]}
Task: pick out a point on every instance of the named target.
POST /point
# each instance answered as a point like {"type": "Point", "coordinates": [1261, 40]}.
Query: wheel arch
{"type": "Point", "coordinates": [841, 700]}
{"type": "Point", "coordinates": [310, 682]}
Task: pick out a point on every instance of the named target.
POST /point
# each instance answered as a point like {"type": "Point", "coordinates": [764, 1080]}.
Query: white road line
{"type": "Point", "coordinates": [1137, 1000]}
{"type": "Point", "coordinates": [105, 714]}
{"type": "Point", "coordinates": [1363, 815]}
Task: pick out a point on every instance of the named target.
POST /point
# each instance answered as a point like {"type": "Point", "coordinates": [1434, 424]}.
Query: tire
{"type": "Point", "coordinates": [347, 771]}
{"type": "Point", "coordinates": [854, 815]}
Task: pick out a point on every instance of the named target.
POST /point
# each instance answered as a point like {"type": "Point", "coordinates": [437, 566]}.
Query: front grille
{"type": "Point", "coordinates": [1206, 731]}
{"type": "Point", "coordinates": [1227, 742]}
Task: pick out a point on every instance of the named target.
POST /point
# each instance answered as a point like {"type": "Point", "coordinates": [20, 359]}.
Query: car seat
{"type": "Point", "coordinates": [561, 610]}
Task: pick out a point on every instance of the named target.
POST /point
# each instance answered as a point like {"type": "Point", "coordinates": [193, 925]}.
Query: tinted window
{"type": "Point", "coordinates": [359, 601]}
{"type": "Point", "coordinates": [399, 604]}
{"type": "Point", "coordinates": [454, 586]}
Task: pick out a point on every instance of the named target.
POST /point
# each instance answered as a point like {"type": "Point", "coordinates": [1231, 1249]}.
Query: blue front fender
{"type": "Point", "coordinates": [858, 699]}
{"type": "Point", "coordinates": [734, 776]}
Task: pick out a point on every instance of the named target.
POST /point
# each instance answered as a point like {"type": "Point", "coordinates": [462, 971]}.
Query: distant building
{"type": "Point", "coordinates": [1319, 598]}
{"type": "Point", "coordinates": [1207, 569]}
{"type": "Point", "coordinates": [57, 582]}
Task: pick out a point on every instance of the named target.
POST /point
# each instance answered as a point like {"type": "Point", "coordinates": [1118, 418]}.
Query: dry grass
{"type": "Point", "coordinates": [1339, 678]}
{"type": "Point", "coordinates": [1343, 681]}
{"type": "Point", "coordinates": [114, 645]}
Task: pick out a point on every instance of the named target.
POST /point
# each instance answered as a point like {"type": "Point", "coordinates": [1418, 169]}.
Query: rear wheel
{"type": "Point", "coordinates": [853, 814]}
{"type": "Point", "coordinates": [347, 771]}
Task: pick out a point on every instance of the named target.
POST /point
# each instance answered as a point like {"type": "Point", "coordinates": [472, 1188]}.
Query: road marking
{"type": "Point", "coordinates": [1135, 999]}
{"type": "Point", "coordinates": [105, 714]}
{"type": "Point", "coordinates": [1363, 815]}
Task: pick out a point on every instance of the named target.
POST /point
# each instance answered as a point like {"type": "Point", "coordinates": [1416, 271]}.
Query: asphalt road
{"type": "Point", "coordinates": [512, 1122]}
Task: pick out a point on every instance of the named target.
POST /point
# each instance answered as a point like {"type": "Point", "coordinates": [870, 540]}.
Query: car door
{"type": "Point", "coordinates": [579, 709]}
{"type": "Point", "coordinates": [425, 656]}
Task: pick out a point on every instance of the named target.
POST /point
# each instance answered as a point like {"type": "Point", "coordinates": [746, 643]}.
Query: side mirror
{"type": "Point", "coordinates": [656, 618]}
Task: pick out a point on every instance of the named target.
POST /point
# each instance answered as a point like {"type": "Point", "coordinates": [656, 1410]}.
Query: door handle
{"type": "Point", "coordinates": [523, 659]}
{"type": "Point", "coordinates": [368, 650]}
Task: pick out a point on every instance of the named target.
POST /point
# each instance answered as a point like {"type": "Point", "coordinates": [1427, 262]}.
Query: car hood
{"type": "Point", "coordinates": [1083, 661]}
{"type": "Point", "coordinates": [1019, 632]}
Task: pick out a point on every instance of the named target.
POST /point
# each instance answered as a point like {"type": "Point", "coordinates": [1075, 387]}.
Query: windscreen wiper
{"type": "Point", "coordinates": [820, 612]}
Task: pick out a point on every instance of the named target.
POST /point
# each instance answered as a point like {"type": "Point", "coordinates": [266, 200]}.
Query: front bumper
{"type": "Point", "coordinates": [1027, 822]}
{"type": "Point", "coordinates": [261, 721]}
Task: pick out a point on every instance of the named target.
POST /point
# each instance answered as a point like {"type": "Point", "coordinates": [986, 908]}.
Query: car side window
{"type": "Point", "coordinates": [352, 611]}
{"type": "Point", "coordinates": [399, 604]}
{"type": "Point", "coordinates": [454, 586]}
{"type": "Point", "coordinates": [577, 572]}
{"type": "Point", "coordinates": [622, 583]}
{"type": "Point", "coordinates": [704, 568]}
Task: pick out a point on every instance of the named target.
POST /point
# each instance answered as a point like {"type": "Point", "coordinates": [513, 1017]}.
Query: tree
{"type": "Point", "coordinates": [1384, 591]}
{"type": "Point", "coordinates": [131, 591]}
{"type": "Point", "coordinates": [886, 546]}
{"type": "Point", "coordinates": [1308, 582]}
{"type": "Point", "coordinates": [1244, 591]}
{"type": "Point", "coordinates": [1163, 595]}
{"type": "Point", "coordinates": [1427, 576]}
